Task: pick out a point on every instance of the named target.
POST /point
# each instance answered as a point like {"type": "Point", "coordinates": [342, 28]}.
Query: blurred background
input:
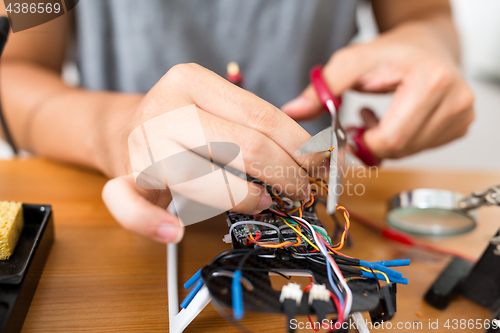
{"type": "Point", "coordinates": [478, 23]}
{"type": "Point", "coordinates": [479, 26]}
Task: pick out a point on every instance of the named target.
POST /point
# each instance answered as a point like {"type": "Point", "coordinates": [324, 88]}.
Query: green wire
{"type": "Point", "coordinates": [316, 228]}
{"type": "Point", "coordinates": [326, 236]}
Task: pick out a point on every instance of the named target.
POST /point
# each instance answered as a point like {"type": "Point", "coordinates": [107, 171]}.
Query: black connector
{"type": "Point", "coordinates": [386, 308]}
{"type": "Point", "coordinates": [320, 309]}
{"type": "Point", "coordinates": [290, 309]}
{"type": "Point", "coordinates": [290, 298]}
{"type": "Point", "coordinates": [447, 285]}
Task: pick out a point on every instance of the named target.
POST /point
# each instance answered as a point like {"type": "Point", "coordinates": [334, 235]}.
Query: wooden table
{"type": "Point", "coordinates": [101, 278]}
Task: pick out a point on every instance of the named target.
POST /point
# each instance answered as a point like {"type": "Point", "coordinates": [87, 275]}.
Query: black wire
{"type": "Point", "coordinates": [248, 254]}
{"type": "Point", "coordinates": [322, 181]}
{"type": "Point", "coordinates": [317, 261]}
{"type": "Point", "coordinates": [225, 253]}
{"type": "Point", "coordinates": [350, 269]}
{"type": "Point", "coordinates": [338, 258]}
{"type": "Point", "coordinates": [376, 279]}
{"type": "Point", "coordinates": [347, 260]}
{"type": "Point", "coordinates": [253, 269]}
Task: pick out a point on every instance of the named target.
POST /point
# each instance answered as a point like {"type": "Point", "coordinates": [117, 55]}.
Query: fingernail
{"type": "Point", "coordinates": [265, 201]}
{"type": "Point", "coordinates": [299, 103]}
{"type": "Point", "coordinates": [169, 233]}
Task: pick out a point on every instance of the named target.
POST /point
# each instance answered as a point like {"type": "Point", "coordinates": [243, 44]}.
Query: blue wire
{"type": "Point", "coordinates": [334, 286]}
{"type": "Point", "coordinates": [330, 279]}
{"type": "Point", "coordinates": [192, 294]}
{"type": "Point", "coordinates": [193, 279]}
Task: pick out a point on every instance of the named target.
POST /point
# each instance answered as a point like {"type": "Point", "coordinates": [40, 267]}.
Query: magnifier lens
{"type": "Point", "coordinates": [430, 221]}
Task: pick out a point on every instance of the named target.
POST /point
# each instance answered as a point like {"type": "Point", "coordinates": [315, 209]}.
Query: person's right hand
{"type": "Point", "coordinates": [267, 137]}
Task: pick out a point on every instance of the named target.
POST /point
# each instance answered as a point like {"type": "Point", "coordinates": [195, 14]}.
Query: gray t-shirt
{"type": "Point", "coordinates": [128, 45]}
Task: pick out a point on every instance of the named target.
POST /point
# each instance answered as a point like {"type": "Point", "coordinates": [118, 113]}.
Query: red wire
{"type": "Point", "coordinates": [257, 237]}
{"type": "Point", "coordinates": [403, 238]}
{"type": "Point", "coordinates": [328, 246]}
{"type": "Point", "coordinates": [337, 305]}
{"type": "Point", "coordinates": [309, 317]}
{"type": "Point", "coordinates": [339, 308]}
{"type": "Point", "coordinates": [312, 325]}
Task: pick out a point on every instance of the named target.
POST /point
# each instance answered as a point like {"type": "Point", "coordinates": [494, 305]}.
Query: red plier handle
{"type": "Point", "coordinates": [324, 93]}
{"type": "Point", "coordinates": [327, 98]}
{"type": "Point", "coordinates": [359, 148]}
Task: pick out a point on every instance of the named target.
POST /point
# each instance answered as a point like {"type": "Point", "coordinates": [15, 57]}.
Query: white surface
{"type": "Point", "coordinates": [173, 294]}
{"type": "Point", "coordinates": [178, 321]}
{"type": "Point", "coordinates": [478, 22]}
{"type": "Point", "coordinates": [360, 322]}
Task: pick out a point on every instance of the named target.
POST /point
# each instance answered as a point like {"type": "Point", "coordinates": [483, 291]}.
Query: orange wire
{"type": "Point", "coordinates": [293, 210]}
{"type": "Point", "coordinates": [346, 215]}
{"type": "Point", "coordinates": [346, 228]}
{"type": "Point", "coordinates": [275, 245]}
{"type": "Point", "coordinates": [318, 183]}
{"type": "Point", "coordinates": [278, 197]}
{"type": "Point", "coordinates": [311, 201]}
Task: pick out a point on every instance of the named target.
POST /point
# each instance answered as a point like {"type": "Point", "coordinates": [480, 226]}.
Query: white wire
{"type": "Point", "coordinates": [348, 299]}
{"type": "Point", "coordinates": [340, 277]}
{"type": "Point", "coordinates": [268, 225]}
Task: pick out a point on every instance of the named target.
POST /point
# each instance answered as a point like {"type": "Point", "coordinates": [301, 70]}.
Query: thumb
{"type": "Point", "coordinates": [142, 211]}
{"type": "Point", "coordinates": [305, 107]}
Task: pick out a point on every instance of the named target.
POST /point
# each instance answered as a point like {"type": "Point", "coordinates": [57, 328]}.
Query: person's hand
{"type": "Point", "coordinates": [432, 103]}
{"type": "Point", "coordinates": [267, 137]}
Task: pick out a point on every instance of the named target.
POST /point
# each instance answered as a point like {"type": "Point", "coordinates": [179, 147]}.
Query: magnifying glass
{"type": "Point", "coordinates": [435, 212]}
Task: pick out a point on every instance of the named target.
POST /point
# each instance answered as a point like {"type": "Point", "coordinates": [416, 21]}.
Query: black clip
{"type": "Point", "coordinates": [386, 308]}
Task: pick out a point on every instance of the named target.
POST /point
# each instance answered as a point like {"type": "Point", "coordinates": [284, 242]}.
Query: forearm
{"type": "Point", "coordinates": [69, 124]}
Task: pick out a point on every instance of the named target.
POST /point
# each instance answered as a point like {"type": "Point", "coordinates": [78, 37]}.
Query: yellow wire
{"type": "Point", "coordinates": [383, 274]}
{"type": "Point", "coordinates": [307, 240]}
{"type": "Point", "coordinates": [347, 221]}
{"type": "Point", "coordinates": [298, 232]}
{"type": "Point", "coordinates": [342, 239]}
{"type": "Point", "coordinates": [276, 246]}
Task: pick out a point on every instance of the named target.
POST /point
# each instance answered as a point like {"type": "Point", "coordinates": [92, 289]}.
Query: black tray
{"type": "Point", "coordinates": [19, 275]}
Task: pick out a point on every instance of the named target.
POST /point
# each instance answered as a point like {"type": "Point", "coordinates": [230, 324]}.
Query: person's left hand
{"type": "Point", "coordinates": [432, 103]}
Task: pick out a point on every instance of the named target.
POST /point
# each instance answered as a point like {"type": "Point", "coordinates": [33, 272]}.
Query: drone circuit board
{"type": "Point", "coordinates": [288, 239]}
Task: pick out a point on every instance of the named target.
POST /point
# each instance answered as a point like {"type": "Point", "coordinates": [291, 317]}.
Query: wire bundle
{"type": "Point", "coordinates": [321, 251]}
{"type": "Point", "coordinates": [332, 257]}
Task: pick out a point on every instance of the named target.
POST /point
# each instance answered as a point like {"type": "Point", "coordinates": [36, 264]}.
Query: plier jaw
{"type": "Point", "coordinates": [334, 139]}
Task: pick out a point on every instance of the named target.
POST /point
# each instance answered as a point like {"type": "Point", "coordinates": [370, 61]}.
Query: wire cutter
{"type": "Point", "coordinates": [334, 139]}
